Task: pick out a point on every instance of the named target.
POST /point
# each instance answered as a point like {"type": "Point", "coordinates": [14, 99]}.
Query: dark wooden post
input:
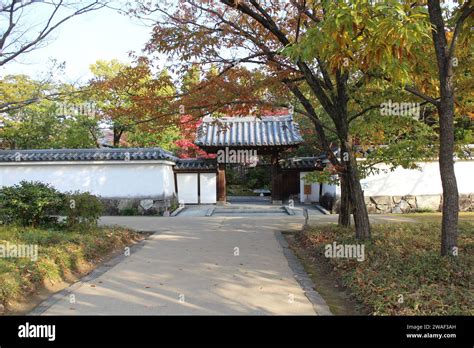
{"type": "Point", "coordinates": [221, 189]}
{"type": "Point", "coordinates": [276, 180]}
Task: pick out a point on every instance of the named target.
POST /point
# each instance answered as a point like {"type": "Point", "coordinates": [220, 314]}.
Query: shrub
{"type": "Point", "coordinates": [82, 208]}
{"type": "Point", "coordinates": [30, 203]}
{"type": "Point", "coordinates": [132, 211]}
{"type": "Point", "coordinates": [258, 178]}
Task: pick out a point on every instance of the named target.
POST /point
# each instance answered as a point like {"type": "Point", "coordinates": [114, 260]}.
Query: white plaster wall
{"type": "Point", "coordinates": [401, 182]}
{"type": "Point", "coordinates": [426, 181]}
{"type": "Point", "coordinates": [314, 196]}
{"type": "Point", "coordinates": [208, 189]}
{"type": "Point", "coordinates": [108, 180]}
{"type": "Point", "coordinates": [332, 190]}
{"type": "Point", "coordinates": [187, 187]}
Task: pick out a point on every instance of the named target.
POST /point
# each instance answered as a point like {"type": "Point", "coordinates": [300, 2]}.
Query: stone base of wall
{"type": "Point", "coordinates": [409, 203]}
{"type": "Point", "coordinates": [137, 206]}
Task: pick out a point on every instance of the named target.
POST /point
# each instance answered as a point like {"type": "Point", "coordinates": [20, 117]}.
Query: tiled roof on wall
{"type": "Point", "coordinates": [196, 164]}
{"type": "Point", "coordinates": [103, 154]}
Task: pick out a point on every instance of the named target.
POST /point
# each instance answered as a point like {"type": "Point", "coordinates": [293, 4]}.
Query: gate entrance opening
{"type": "Point", "coordinates": [267, 136]}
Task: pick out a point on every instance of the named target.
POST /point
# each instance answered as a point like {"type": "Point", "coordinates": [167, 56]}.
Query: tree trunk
{"type": "Point", "coordinates": [344, 218]}
{"type": "Point", "coordinates": [117, 136]}
{"type": "Point", "coordinates": [446, 130]}
{"type": "Point", "coordinates": [340, 118]}
{"type": "Point", "coordinates": [449, 226]}
{"type": "Point", "coordinates": [345, 203]}
{"type": "Point", "coordinates": [361, 217]}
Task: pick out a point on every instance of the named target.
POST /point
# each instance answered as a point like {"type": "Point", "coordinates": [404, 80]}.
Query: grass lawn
{"type": "Point", "coordinates": [62, 257]}
{"type": "Point", "coordinates": [429, 217]}
{"type": "Point", "coordinates": [402, 273]}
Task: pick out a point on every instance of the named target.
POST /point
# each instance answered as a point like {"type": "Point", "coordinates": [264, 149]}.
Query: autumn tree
{"type": "Point", "coordinates": [124, 95]}
{"type": "Point", "coordinates": [447, 35]}
{"type": "Point", "coordinates": [385, 51]}
{"type": "Point", "coordinates": [445, 87]}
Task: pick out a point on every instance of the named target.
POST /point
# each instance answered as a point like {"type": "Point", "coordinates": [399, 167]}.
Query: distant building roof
{"type": "Point", "coordinates": [248, 132]}
{"type": "Point", "coordinates": [310, 163]}
{"type": "Point", "coordinates": [104, 154]}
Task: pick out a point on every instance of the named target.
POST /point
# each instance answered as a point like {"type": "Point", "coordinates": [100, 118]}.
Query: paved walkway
{"type": "Point", "coordinates": [197, 265]}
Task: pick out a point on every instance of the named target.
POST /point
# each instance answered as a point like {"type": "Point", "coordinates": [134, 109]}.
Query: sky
{"type": "Point", "coordinates": [102, 34]}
